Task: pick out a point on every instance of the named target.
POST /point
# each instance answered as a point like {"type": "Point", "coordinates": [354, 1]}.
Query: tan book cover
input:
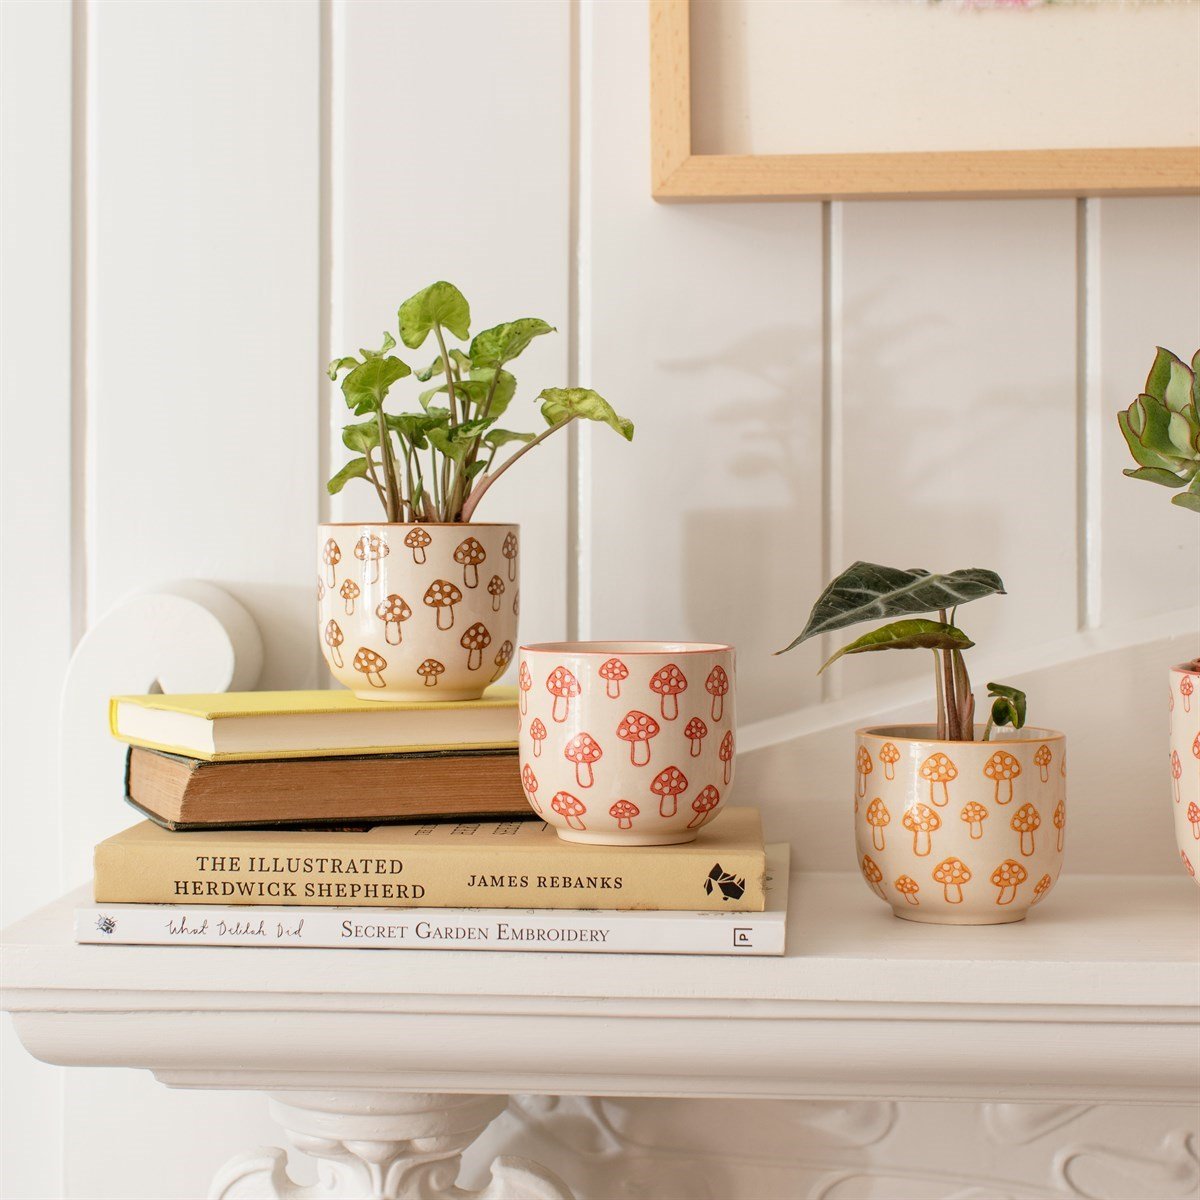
{"type": "Point", "coordinates": [471, 865]}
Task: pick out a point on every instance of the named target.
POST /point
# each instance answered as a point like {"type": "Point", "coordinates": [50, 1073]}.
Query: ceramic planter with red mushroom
{"type": "Point", "coordinates": [956, 822]}
{"type": "Point", "coordinates": [633, 742]}
{"type": "Point", "coordinates": [423, 604]}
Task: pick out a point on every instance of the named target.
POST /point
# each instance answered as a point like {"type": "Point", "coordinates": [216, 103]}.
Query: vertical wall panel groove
{"type": "Point", "coordinates": [79, 453]}
{"type": "Point", "coordinates": [832, 432]}
{"type": "Point", "coordinates": [1090, 414]}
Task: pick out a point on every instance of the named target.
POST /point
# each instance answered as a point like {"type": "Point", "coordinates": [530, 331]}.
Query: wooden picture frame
{"type": "Point", "coordinates": [677, 174]}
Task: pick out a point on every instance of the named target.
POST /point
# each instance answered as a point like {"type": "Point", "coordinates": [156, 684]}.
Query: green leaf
{"type": "Point", "coordinates": [412, 427]}
{"type": "Point", "coordinates": [506, 388]}
{"type": "Point", "coordinates": [1008, 705]}
{"type": "Point", "coordinates": [356, 468]}
{"type": "Point", "coordinates": [1160, 374]}
{"type": "Point", "coordinates": [341, 364]}
{"type": "Point", "coordinates": [1191, 498]}
{"type": "Point", "coordinates": [389, 343]}
{"type": "Point", "coordinates": [502, 437]}
{"type": "Point", "coordinates": [502, 343]}
{"type": "Point", "coordinates": [1155, 475]}
{"type": "Point", "coordinates": [1180, 433]}
{"type": "Point", "coordinates": [440, 303]}
{"type": "Point", "coordinates": [911, 634]}
{"type": "Point", "coordinates": [563, 404]}
{"type": "Point", "coordinates": [1131, 422]}
{"type": "Point", "coordinates": [870, 592]}
{"type": "Point", "coordinates": [1179, 388]}
{"type": "Point", "coordinates": [361, 438]}
{"type": "Point", "coordinates": [367, 385]}
{"type": "Point", "coordinates": [437, 366]}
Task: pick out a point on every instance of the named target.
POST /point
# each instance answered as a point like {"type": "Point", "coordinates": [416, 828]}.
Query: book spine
{"type": "Point", "coordinates": [256, 870]}
{"type": "Point", "coordinates": [751, 934]}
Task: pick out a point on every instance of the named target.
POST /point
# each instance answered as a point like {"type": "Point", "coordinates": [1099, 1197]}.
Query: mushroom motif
{"type": "Point", "coordinates": [429, 671]}
{"type": "Point", "coordinates": [516, 604]}
{"type": "Point", "coordinates": [1060, 821]}
{"type": "Point", "coordinates": [613, 671]}
{"type": "Point", "coordinates": [583, 750]}
{"type": "Point", "coordinates": [873, 875]}
{"type": "Point", "coordinates": [877, 817]}
{"type": "Point", "coordinates": [1196, 746]}
{"type": "Point", "coordinates": [1042, 761]}
{"type": "Point", "coordinates": [696, 731]}
{"type": "Point", "coordinates": [1187, 862]}
{"type": "Point", "coordinates": [704, 803]}
{"type": "Point", "coordinates": [563, 686]}
{"type": "Point", "coordinates": [974, 814]}
{"type": "Point", "coordinates": [725, 754]}
{"type": "Point", "coordinates": [668, 785]}
{"type": "Point", "coordinates": [371, 665]}
{"type": "Point", "coordinates": [370, 548]}
{"type": "Point", "coordinates": [349, 591]}
{"type": "Point", "coordinates": [1176, 772]}
{"type": "Point", "coordinates": [863, 766]}
{"type": "Point", "coordinates": [908, 887]}
{"type": "Point", "coordinates": [320, 589]}
{"type": "Point", "coordinates": [509, 550]}
{"type": "Point", "coordinates": [889, 755]}
{"type": "Point", "coordinates": [1002, 768]}
{"type": "Point", "coordinates": [392, 612]}
{"type": "Point", "coordinates": [668, 683]}
{"type": "Point", "coordinates": [952, 873]}
{"type": "Point", "coordinates": [570, 808]}
{"type": "Point", "coordinates": [537, 731]}
{"type": "Point", "coordinates": [475, 641]}
{"type": "Point", "coordinates": [524, 682]}
{"type": "Point", "coordinates": [920, 821]}
{"type": "Point", "coordinates": [417, 540]}
{"type": "Point", "coordinates": [334, 637]}
{"type": "Point", "coordinates": [331, 555]}
{"type": "Point", "coordinates": [637, 728]}
{"type": "Point", "coordinates": [530, 783]}
{"type": "Point", "coordinates": [441, 595]}
{"type": "Point", "coordinates": [1025, 821]}
{"type": "Point", "coordinates": [502, 659]}
{"type": "Point", "coordinates": [937, 768]}
{"type": "Point", "coordinates": [1008, 876]}
{"type": "Point", "coordinates": [717, 686]}
{"type": "Point", "coordinates": [1186, 688]}
{"type": "Point", "coordinates": [1193, 816]}
{"type": "Point", "coordinates": [624, 811]}
{"type": "Point", "coordinates": [495, 590]}
{"type": "Point", "coordinates": [1042, 886]}
{"type": "Point", "coordinates": [469, 554]}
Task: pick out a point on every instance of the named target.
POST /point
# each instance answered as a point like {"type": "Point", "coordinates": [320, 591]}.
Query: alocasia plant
{"type": "Point", "coordinates": [870, 592]}
{"type": "Point", "coordinates": [437, 463]}
{"type": "Point", "coordinates": [1162, 428]}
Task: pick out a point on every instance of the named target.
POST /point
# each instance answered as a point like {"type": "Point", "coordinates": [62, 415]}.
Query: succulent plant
{"type": "Point", "coordinates": [1162, 428]}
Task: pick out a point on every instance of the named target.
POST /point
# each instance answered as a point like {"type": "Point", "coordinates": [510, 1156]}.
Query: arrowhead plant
{"type": "Point", "coordinates": [870, 592]}
{"type": "Point", "coordinates": [1162, 428]}
{"type": "Point", "coordinates": [437, 462]}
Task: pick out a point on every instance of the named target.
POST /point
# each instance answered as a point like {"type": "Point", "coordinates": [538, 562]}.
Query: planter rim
{"type": "Point", "coordinates": [1188, 668]}
{"type": "Point", "coordinates": [419, 524]}
{"type": "Point", "coordinates": [892, 733]}
{"type": "Point", "coordinates": [605, 649]}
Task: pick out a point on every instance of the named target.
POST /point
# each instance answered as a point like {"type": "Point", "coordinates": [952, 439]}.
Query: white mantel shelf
{"type": "Point", "coordinates": [1097, 995]}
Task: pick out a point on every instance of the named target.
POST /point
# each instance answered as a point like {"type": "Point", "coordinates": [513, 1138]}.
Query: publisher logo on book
{"type": "Point", "coordinates": [730, 886]}
{"type": "Point", "coordinates": [106, 924]}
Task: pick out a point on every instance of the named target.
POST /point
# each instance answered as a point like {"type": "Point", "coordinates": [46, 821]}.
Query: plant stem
{"type": "Point", "coordinates": [452, 395]}
{"type": "Point", "coordinates": [941, 697]}
{"type": "Point", "coordinates": [966, 701]}
{"type": "Point", "coordinates": [486, 480]}
{"type": "Point", "coordinates": [374, 480]}
{"type": "Point", "coordinates": [951, 701]}
{"type": "Point", "coordinates": [392, 503]}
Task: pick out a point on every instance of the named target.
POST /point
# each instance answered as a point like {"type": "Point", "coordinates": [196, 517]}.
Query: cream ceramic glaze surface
{"type": "Point", "coordinates": [418, 612]}
{"type": "Point", "coordinates": [960, 833]}
{"type": "Point", "coordinates": [627, 743]}
{"type": "Point", "coordinates": [1184, 751]}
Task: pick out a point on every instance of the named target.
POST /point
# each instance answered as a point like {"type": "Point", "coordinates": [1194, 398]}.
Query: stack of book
{"type": "Point", "coordinates": [317, 819]}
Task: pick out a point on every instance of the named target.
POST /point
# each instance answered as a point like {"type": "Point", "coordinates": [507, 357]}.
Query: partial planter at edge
{"type": "Point", "coordinates": [422, 612]}
{"type": "Point", "coordinates": [960, 833]}
{"type": "Point", "coordinates": [1185, 762]}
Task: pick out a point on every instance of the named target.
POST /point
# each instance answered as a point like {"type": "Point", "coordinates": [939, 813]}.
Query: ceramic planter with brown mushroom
{"type": "Point", "coordinates": [956, 822]}
{"type": "Point", "coordinates": [423, 604]}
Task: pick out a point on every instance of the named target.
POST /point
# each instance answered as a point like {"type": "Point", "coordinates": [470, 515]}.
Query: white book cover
{"type": "Point", "coordinates": [587, 931]}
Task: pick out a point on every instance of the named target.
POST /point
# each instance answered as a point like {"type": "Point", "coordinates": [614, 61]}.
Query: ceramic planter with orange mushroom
{"type": "Point", "coordinates": [424, 604]}
{"type": "Point", "coordinates": [1162, 430]}
{"type": "Point", "coordinates": [954, 825]}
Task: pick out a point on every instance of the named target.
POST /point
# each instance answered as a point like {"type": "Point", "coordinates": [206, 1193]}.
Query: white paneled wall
{"type": "Point", "coordinates": [204, 201]}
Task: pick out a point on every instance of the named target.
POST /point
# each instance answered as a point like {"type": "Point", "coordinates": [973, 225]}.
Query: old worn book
{"type": "Point", "coordinates": [743, 934]}
{"type": "Point", "coordinates": [509, 864]}
{"type": "Point", "coordinates": [245, 725]}
{"type": "Point", "coordinates": [189, 793]}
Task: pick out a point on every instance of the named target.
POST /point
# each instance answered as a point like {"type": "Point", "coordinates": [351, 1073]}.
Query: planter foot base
{"type": "Point", "coordinates": [944, 918]}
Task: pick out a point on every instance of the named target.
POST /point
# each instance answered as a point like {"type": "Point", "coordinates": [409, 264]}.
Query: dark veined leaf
{"type": "Point", "coordinates": [870, 592]}
{"type": "Point", "coordinates": [367, 385]}
{"type": "Point", "coordinates": [916, 633]}
{"type": "Point", "coordinates": [502, 343]}
{"type": "Point", "coordinates": [356, 468]}
{"type": "Point", "coordinates": [1008, 705]}
{"type": "Point", "coordinates": [564, 404]}
{"type": "Point", "coordinates": [440, 303]}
